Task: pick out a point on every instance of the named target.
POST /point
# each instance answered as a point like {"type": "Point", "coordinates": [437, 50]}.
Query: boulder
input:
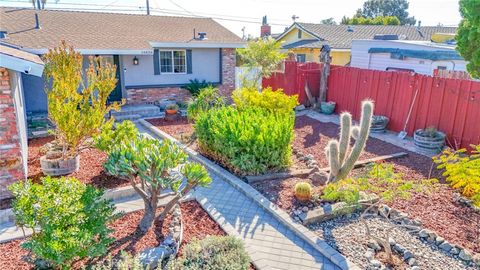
{"type": "Point", "coordinates": [445, 246]}
{"type": "Point", "coordinates": [407, 255]}
{"type": "Point", "coordinates": [151, 258]}
{"type": "Point", "coordinates": [319, 178]}
{"type": "Point", "coordinates": [465, 255]}
{"type": "Point", "coordinates": [455, 251]}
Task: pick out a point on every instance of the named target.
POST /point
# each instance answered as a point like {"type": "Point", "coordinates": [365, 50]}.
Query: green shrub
{"type": "Point", "coordinates": [208, 98]}
{"type": "Point", "coordinates": [462, 171]}
{"type": "Point", "coordinates": [248, 141]}
{"type": "Point", "coordinates": [213, 253]}
{"type": "Point", "coordinates": [69, 219]}
{"type": "Point", "coordinates": [274, 101]}
{"type": "Point", "coordinates": [381, 179]}
{"type": "Point", "coordinates": [113, 136]}
{"type": "Point", "coordinates": [195, 86]}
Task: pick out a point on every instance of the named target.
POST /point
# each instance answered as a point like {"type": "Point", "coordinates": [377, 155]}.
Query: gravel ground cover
{"type": "Point", "coordinates": [347, 235]}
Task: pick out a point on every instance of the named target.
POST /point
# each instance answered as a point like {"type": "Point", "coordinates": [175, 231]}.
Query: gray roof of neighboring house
{"type": "Point", "coordinates": [338, 36]}
{"type": "Point", "coordinates": [106, 31]}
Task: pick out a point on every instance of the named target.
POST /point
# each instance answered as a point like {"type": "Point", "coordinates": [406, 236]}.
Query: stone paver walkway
{"type": "Point", "coordinates": [270, 244]}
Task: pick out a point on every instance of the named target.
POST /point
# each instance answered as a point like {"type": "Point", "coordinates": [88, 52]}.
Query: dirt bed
{"type": "Point", "coordinates": [197, 224]}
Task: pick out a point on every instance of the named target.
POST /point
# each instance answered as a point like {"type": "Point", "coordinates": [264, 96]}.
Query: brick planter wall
{"type": "Point", "coordinates": [11, 166]}
{"type": "Point", "coordinates": [150, 95]}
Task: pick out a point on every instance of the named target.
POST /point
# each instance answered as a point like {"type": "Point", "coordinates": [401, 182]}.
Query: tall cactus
{"type": "Point", "coordinates": [340, 158]}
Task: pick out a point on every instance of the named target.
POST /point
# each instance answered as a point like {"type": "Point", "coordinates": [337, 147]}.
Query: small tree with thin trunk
{"type": "Point", "coordinates": [265, 54]}
{"type": "Point", "coordinates": [468, 35]}
{"type": "Point", "coordinates": [153, 166]}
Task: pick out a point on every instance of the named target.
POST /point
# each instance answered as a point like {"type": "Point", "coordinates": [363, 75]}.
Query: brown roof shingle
{"type": "Point", "coordinates": [338, 37]}
{"type": "Point", "coordinates": [105, 31]}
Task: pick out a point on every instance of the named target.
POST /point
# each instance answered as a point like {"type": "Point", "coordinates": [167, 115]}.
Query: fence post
{"type": "Point", "coordinates": [325, 59]}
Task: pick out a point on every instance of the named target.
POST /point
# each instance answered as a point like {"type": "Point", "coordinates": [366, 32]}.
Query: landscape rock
{"type": "Point", "coordinates": [407, 255]}
{"type": "Point", "coordinates": [399, 248]}
{"type": "Point", "coordinates": [319, 178]}
{"type": "Point", "coordinates": [369, 254]}
{"type": "Point", "coordinates": [374, 245]}
{"type": "Point", "coordinates": [439, 240]}
{"type": "Point", "coordinates": [152, 257]}
{"type": "Point", "coordinates": [300, 107]}
{"type": "Point", "coordinates": [412, 262]}
{"type": "Point", "coordinates": [455, 251]}
{"type": "Point", "coordinates": [305, 209]}
{"type": "Point", "coordinates": [465, 255]}
{"type": "Point", "coordinates": [376, 263]}
{"type": "Point", "coordinates": [424, 233]}
{"type": "Point", "coordinates": [445, 246]}
{"type": "Point", "coordinates": [391, 241]}
{"type": "Point", "coordinates": [414, 268]}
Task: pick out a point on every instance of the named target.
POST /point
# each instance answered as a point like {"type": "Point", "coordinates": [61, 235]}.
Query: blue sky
{"type": "Point", "coordinates": [248, 13]}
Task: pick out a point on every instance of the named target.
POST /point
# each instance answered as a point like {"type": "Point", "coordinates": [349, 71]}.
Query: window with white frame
{"type": "Point", "coordinates": [173, 62]}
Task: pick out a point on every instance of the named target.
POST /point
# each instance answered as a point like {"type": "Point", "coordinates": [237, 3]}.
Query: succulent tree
{"type": "Point", "coordinates": [150, 167]}
{"type": "Point", "coordinates": [340, 158]}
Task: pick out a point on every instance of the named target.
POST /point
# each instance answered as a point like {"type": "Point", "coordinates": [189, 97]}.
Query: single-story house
{"type": "Point", "coordinates": [155, 55]}
{"type": "Point", "coordinates": [307, 39]}
{"type": "Point", "coordinates": [422, 57]}
{"type": "Point", "coordinates": [13, 137]}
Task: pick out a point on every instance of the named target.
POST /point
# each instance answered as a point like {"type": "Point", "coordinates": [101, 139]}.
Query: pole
{"type": "Point", "coordinates": [148, 7]}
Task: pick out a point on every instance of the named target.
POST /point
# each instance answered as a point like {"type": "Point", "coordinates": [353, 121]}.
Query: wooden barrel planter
{"type": "Point", "coordinates": [327, 107]}
{"type": "Point", "coordinates": [379, 123]}
{"type": "Point", "coordinates": [59, 166]}
{"type": "Point", "coordinates": [428, 143]}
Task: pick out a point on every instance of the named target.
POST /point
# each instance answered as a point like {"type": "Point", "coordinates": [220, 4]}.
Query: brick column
{"type": "Point", "coordinates": [228, 72]}
{"type": "Point", "coordinates": [11, 166]}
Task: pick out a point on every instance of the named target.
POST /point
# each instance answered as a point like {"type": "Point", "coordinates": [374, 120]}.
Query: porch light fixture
{"type": "Point", "coordinates": [135, 61]}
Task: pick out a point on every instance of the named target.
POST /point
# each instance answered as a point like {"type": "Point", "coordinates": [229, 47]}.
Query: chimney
{"type": "Point", "coordinates": [265, 29]}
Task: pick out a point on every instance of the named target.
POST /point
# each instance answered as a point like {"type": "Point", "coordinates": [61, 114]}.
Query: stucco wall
{"type": "Point", "coordinates": [292, 36]}
{"type": "Point", "coordinates": [205, 66]}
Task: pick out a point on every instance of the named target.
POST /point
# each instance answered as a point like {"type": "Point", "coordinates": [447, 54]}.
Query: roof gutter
{"type": "Point", "coordinates": [98, 51]}
{"type": "Point", "coordinates": [186, 45]}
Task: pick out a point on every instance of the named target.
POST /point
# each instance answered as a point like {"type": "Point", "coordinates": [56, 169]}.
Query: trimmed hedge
{"type": "Point", "coordinates": [248, 141]}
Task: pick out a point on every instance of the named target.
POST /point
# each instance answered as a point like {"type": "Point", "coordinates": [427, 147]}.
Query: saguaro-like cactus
{"type": "Point", "coordinates": [340, 158]}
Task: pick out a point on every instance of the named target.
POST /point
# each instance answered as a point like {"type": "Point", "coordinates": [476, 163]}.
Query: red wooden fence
{"type": "Point", "coordinates": [450, 105]}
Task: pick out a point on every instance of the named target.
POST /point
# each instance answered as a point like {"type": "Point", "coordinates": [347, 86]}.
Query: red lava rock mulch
{"type": "Point", "coordinates": [312, 136]}
{"type": "Point", "coordinates": [179, 127]}
{"type": "Point", "coordinates": [91, 166]}
{"type": "Point", "coordinates": [437, 211]}
{"type": "Point", "coordinates": [197, 224]}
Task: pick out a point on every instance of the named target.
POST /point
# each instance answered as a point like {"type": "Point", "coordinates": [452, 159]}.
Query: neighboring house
{"type": "Point", "coordinates": [422, 57]}
{"type": "Point", "coordinates": [307, 39]}
{"type": "Point", "coordinates": [155, 55]}
{"type": "Point", "coordinates": [13, 137]}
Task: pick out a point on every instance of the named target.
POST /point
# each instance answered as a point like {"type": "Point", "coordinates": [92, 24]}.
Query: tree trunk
{"type": "Point", "coordinates": [147, 219]}
{"type": "Point", "coordinates": [174, 201]}
{"type": "Point", "coordinates": [325, 59]}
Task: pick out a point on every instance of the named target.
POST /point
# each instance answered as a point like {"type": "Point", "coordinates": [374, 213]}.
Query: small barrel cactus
{"type": "Point", "coordinates": [303, 191]}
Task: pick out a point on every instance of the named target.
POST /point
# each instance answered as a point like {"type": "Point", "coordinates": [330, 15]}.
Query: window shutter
{"type": "Point", "coordinates": [156, 62]}
{"type": "Point", "coordinates": [189, 61]}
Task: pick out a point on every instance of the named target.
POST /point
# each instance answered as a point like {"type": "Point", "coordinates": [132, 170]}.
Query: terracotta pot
{"type": "Point", "coordinates": [171, 111]}
{"type": "Point", "coordinates": [59, 166]}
